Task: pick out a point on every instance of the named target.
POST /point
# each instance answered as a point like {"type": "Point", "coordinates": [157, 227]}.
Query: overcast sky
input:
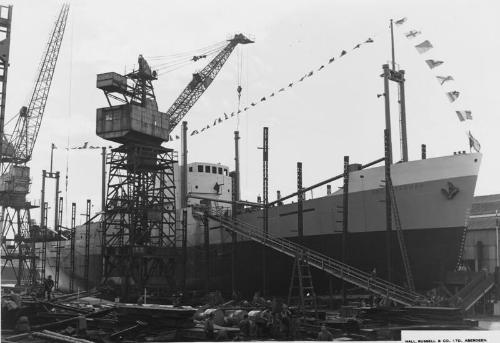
{"type": "Point", "coordinates": [333, 113]}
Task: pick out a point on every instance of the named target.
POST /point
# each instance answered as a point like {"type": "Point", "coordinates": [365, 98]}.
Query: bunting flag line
{"type": "Point", "coordinates": [424, 46]}
{"type": "Point", "coordinates": [443, 79]}
{"type": "Point", "coordinates": [474, 143]}
{"type": "Point", "coordinates": [464, 115]}
{"type": "Point", "coordinates": [433, 63]}
{"type": "Point", "coordinates": [280, 90]}
{"type": "Point", "coordinates": [453, 95]}
{"type": "Point", "coordinates": [86, 146]}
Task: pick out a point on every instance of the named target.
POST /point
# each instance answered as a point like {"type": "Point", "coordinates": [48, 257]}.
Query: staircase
{"type": "Point", "coordinates": [329, 265]}
{"type": "Point", "coordinates": [473, 291]}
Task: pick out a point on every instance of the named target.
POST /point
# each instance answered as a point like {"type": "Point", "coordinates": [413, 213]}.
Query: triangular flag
{"type": "Point", "coordinates": [369, 40]}
{"type": "Point", "coordinates": [225, 116]}
{"type": "Point", "coordinates": [443, 79]}
{"type": "Point", "coordinates": [331, 60]}
{"type": "Point", "coordinates": [302, 78]}
{"type": "Point", "coordinates": [452, 96]}
{"type": "Point", "coordinates": [170, 138]}
{"type": "Point", "coordinates": [281, 89]}
{"type": "Point", "coordinates": [400, 21]}
{"type": "Point", "coordinates": [433, 63]}
{"type": "Point", "coordinates": [177, 137]}
{"type": "Point", "coordinates": [343, 53]}
{"type": "Point", "coordinates": [464, 115]}
{"type": "Point", "coordinates": [203, 129]}
{"type": "Point", "coordinates": [424, 46]}
{"type": "Point", "coordinates": [263, 99]}
{"type": "Point", "coordinates": [219, 120]}
{"type": "Point", "coordinates": [321, 67]}
{"type": "Point", "coordinates": [290, 84]}
{"type": "Point", "coordinates": [412, 34]}
{"type": "Point", "coordinates": [239, 111]}
{"type": "Point", "coordinates": [195, 132]}
{"type": "Point", "coordinates": [253, 104]}
{"type": "Point", "coordinates": [310, 74]}
{"type": "Point", "coordinates": [357, 46]}
{"type": "Point", "coordinates": [474, 143]}
{"type": "Point", "coordinates": [232, 114]}
{"type": "Point", "coordinates": [215, 122]}
{"type": "Point", "coordinates": [272, 94]}
{"type": "Point", "coordinates": [246, 108]}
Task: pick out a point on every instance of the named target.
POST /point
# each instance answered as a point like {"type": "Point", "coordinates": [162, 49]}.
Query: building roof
{"type": "Point", "coordinates": [483, 213]}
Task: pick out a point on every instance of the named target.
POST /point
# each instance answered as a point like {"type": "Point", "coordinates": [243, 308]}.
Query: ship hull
{"type": "Point", "coordinates": [433, 197]}
{"type": "Point", "coordinates": [366, 251]}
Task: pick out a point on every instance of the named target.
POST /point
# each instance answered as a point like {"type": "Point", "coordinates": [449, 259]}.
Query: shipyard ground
{"type": "Point", "coordinates": [86, 317]}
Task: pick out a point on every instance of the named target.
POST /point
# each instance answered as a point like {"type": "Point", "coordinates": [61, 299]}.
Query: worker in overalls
{"type": "Point", "coordinates": [48, 284]}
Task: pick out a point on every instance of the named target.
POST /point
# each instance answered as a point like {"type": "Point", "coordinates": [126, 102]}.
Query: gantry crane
{"type": "Point", "coordinates": [18, 236]}
{"type": "Point", "coordinates": [139, 223]}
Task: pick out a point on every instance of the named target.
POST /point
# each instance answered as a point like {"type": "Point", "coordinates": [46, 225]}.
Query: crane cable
{"type": "Point", "coordinates": [238, 88]}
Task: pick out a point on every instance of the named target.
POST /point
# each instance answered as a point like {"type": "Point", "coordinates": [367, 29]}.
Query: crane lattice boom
{"type": "Point", "coordinates": [201, 81]}
{"type": "Point", "coordinates": [29, 119]}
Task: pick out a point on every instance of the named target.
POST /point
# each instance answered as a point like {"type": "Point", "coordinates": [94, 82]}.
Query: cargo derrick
{"type": "Point", "coordinates": [18, 235]}
{"type": "Point", "coordinates": [139, 223]}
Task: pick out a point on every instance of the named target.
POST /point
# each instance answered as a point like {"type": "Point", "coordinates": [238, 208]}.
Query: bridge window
{"type": "Point", "coordinates": [207, 169]}
{"type": "Point", "coordinates": [214, 170]}
{"type": "Point", "coordinates": [200, 168]}
{"type": "Point", "coordinates": [220, 170]}
{"type": "Point", "coordinates": [190, 169]}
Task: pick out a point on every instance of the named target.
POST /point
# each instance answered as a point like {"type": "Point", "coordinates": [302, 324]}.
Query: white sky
{"type": "Point", "coordinates": [332, 114]}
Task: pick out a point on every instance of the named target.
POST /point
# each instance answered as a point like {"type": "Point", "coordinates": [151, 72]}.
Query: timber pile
{"type": "Point", "coordinates": [413, 316]}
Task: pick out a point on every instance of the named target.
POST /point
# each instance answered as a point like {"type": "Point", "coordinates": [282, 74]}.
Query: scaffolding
{"type": "Point", "coordinates": [139, 225]}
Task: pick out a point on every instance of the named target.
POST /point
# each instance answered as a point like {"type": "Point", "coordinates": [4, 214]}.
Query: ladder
{"type": "Point", "coordinates": [303, 283]}
{"type": "Point", "coordinates": [320, 261]}
{"type": "Point", "coordinates": [401, 239]}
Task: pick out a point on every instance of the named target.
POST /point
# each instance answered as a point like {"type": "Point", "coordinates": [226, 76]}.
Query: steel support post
{"type": "Point", "coordinates": [72, 248]}
{"type": "Point", "coordinates": [386, 76]}
{"type": "Point", "coordinates": [265, 200]}
{"type": "Point", "coordinates": [58, 244]}
{"type": "Point", "coordinates": [388, 206]}
{"type": "Point", "coordinates": [87, 246]}
{"type": "Point", "coordinates": [206, 248]}
{"type": "Point", "coordinates": [345, 221]}
{"type": "Point", "coordinates": [300, 197]}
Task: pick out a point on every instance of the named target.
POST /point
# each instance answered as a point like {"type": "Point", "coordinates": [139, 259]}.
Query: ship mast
{"type": "Point", "coordinates": [398, 77]}
{"type": "Point", "coordinates": [392, 47]}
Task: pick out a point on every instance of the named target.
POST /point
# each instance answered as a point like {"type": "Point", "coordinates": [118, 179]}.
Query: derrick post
{"type": "Point", "coordinates": [388, 206]}
{"type": "Point", "coordinates": [300, 197]}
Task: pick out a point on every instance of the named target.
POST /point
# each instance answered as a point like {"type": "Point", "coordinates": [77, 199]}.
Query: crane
{"type": "Point", "coordinates": [136, 88]}
{"type": "Point", "coordinates": [29, 119]}
{"type": "Point", "coordinates": [18, 244]}
{"type": "Point", "coordinates": [140, 214]}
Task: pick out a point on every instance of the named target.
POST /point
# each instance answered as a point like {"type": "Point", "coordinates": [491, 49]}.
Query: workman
{"type": "Point", "coordinates": [48, 284]}
{"type": "Point", "coordinates": [209, 327]}
{"type": "Point", "coordinates": [245, 326]}
{"type": "Point", "coordinates": [324, 334]}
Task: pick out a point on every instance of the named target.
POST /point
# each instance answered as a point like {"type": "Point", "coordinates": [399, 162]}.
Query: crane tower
{"type": "Point", "coordinates": [18, 235]}
{"type": "Point", "coordinates": [139, 234]}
